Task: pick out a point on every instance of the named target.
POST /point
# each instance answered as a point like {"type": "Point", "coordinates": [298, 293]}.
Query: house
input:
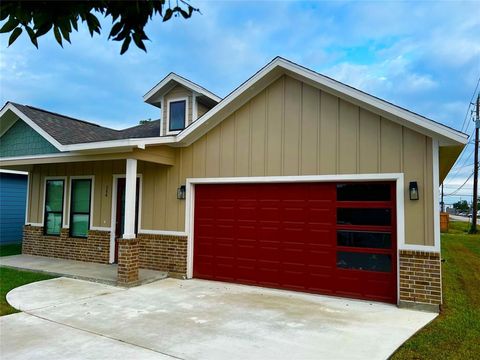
{"type": "Point", "coordinates": [293, 181]}
{"type": "Point", "coordinates": [13, 194]}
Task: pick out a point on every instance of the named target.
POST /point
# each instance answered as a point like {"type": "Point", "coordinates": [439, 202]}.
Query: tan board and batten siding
{"type": "Point", "coordinates": [290, 128]}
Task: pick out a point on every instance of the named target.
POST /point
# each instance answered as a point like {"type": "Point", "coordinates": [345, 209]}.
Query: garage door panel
{"type": "Point", "coordinates": [285, 236]}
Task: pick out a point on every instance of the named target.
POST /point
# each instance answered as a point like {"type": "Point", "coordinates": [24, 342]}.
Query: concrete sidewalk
{"type": "Point", "coordinates": [197, 319]}
{"type": "Point", "coordinates": [102, 273]}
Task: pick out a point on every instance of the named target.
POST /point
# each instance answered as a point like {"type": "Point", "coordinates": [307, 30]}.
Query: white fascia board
{"type": "Point", "coordinates": [136, 142]}
{"type": "Point", "coordinates": [376, 102]}
{"type": "Point", "coordinates": [32, 124]}
{"type": "Point", "coordinates": [15, 172]}
{"type": "Point", "coordinates": [30, 157]}
{"type": "Point", "coordinates": [182, 81]}
{"type": "Point", "coordinates": [417, 121]}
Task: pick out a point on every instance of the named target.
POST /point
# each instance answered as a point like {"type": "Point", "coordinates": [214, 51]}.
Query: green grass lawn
{"type": "Point", "coordinates": [11, 278]}
{"type": "Point", "coordinates": [455, 333]}
{"type": "Point", "coordinates": [10, 249]}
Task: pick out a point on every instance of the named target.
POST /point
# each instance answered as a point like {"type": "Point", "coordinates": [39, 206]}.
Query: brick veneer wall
{"type": "Point", "coordinates": [164, 253]}
{"type": "Point", "coordinates": [420, 277]}
{"type": "Point", "coordinates": [94, 248]}
{"type": "Point", "coordinates": [127, 272]}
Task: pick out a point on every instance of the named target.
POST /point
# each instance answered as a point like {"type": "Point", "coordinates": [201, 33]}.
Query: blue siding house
{"type": "Point", "coordinates": [13, 192]}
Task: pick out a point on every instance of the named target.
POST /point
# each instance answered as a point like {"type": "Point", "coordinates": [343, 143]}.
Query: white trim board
{"type": "Point", "coordinates": [190, 198]}
{"type": "Point", "coordinates": [274, 69]}
{"type": "Point", "coordinates": [182, 81]}
{"type": "Point", "coordinates": [27, 200]}
{"type": "Point", "coordinates": [32, 124]}
{"type": "Point", "coordinates": [92, 196]}
{"type": "Point", "coordinates": [65, 193]}
{"type": "Point", "coordinates": [113, 215]}
{"type": "Point", "coordinates": [169, 101]}
{"type": "Point", "coordinates": [281, 66]}
{"type": "Point", "coordinates": [162, 232]}
{"type": "Point", "coordinates": [14, 172]}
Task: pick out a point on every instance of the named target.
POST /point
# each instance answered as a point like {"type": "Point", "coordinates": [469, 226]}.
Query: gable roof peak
{"type": "Point", "coordinates": [168, 82]}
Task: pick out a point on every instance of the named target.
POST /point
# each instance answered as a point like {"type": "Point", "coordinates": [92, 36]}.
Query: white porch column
{"type": "Point", "coordinates": [130, 199]}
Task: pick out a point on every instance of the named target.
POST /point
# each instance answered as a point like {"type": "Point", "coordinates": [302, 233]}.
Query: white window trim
{"type": "Point", "coordinates": [92, 197]}
{"type": "Point", "coordinates": [65, 193]}
{"type": "Point", "coordinates": [27, 201]}
{"type": "Point", "coordinates": [111, 256]}
{"type": "Point", "coordinates": [162, 117]}
{"type": "Point", "coordinates": [167, 129]}
{"type": "Point", "coordinates": [194, 106]}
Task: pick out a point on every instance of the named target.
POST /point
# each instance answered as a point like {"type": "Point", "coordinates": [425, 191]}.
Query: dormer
{"type": "Point", "coordinates": [181, 102]}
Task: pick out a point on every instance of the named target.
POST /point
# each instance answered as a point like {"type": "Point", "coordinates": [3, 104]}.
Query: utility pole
{"type": "Point", "coordinates": [442, 204]}
{"type": "Point", "coordinates": [473, 229]}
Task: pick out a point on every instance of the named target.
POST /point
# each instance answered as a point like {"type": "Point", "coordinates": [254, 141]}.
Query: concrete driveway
{"type": "Point", "coordinates": [195, 319]}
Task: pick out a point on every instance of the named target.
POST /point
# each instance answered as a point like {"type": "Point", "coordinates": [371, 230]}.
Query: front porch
{"type": "Point", "coordinates": [88, 210]}
{"type": "Point", "coordinates": [101, 273]}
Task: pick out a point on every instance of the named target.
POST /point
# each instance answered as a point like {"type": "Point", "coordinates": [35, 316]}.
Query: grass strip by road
{"type": "Point", "coordinates": [455, 333]}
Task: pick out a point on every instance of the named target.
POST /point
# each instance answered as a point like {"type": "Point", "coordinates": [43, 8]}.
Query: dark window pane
{"type": "Point", "coordinates": [364, 239]}
{"type": "Point", "coordinates": [54, 200]}
{"type": "Point", "coordinates": [177, 115]}
{"type": "Point", "coordinates": [353, 216]}
{"type": "Point", "coordinates": [81, 195]}
{"type": "Point", "coordinates": [363, 192]}
{"type": "Point", "coordinates": [364, 261]}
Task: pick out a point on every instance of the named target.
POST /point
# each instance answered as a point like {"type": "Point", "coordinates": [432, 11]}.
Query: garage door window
{"type": "Point", "coordinates": [364, 261]}
{"type": "Point", "coordinates": [363, 192]}
{"type": "Point", "coordinates": [365, 226]}
{"type": "Point", "coordinates": [364, 216]}
{"type": "Point", "coordinates": [364, 239]}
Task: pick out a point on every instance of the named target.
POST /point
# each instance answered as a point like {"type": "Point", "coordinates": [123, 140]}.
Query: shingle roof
{"type": "Point", "coordinates": [67, 130]}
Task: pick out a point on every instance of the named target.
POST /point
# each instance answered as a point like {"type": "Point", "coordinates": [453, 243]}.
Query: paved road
{"type": "Point", "coordinates": [462, 218]}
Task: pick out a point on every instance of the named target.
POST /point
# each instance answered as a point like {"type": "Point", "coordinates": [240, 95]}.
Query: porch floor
{"type": "Point", "coordinates": [102, 273]}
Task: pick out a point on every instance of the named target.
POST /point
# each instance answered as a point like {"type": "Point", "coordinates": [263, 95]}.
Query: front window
{"type": "Point", "coordinates": [53, 207]}
{"type": "Point", "coordinates": [80, 207]}
{"type": "Point", "coordinates": [177, 115]}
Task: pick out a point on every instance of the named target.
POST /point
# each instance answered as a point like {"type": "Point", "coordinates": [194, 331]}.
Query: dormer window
{"type": "Point", "coordinates": [177, 114]}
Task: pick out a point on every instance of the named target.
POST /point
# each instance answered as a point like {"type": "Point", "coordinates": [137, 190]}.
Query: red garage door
{"type": "Point", "coordinates": [326, 238]}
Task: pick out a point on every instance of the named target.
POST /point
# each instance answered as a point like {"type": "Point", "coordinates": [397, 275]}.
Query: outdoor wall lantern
{"type": "Point", "coordinates": [181, 192]}
{"type": "Point", "coordinates": [413, 190]}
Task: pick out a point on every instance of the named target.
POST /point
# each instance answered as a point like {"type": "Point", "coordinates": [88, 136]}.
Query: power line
{"type": "Point", "coordinates": [460, 187]}
{"type": "Point", "coordinates": [470, 103]}
{"type": "Point", "coordinates": [456, 165]}
{"type": "Point", "coordinates": [457, 171]}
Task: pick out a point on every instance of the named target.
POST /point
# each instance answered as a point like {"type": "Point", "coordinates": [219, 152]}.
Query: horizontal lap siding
{"type": "Point", "coordinates": [291, 128]}
{"type": "Point", "coordinates": [13, 190]}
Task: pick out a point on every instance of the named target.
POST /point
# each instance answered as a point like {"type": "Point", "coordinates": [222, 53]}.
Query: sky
{"type": "Point", "coordinates": [424, 56]}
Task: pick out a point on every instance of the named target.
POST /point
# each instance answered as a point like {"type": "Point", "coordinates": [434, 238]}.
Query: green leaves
{"type": "Point", "coordinates": [15, 34]}
{"type": "Point", "coordinates": [129, 18]}
{"type": "Point", "coordinates": [11, 24]}
{"type": "Point", "coordinates": [168, 15]}
{"type": "Point", "coordinates": [125, 45]}
{"type": "Point", "coordinates": [31, 34]}
{"type": "Point", "coordinates": [58, 36]}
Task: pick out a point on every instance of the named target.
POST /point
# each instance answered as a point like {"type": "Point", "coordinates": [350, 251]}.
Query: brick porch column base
{"type": "Point", "coordinates": [127, 272]}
